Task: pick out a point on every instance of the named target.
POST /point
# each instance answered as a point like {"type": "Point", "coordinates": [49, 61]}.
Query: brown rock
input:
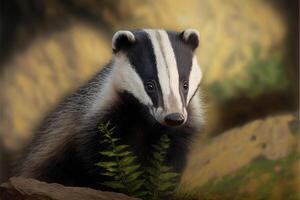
{"type": "Point", "coordinates": [237, 148]}
{"type": "Point", "coordinates": [19, 188]}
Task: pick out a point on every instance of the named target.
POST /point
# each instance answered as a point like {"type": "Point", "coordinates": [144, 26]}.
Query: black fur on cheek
{"type": "Point", "coordinates": [142, 58]}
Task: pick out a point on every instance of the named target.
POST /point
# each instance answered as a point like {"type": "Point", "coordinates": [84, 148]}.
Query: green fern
{"type": "Point", "coordinates": [160, 180]}
{"type": "Point", "coordinates": [124, 174]}
{"type": "Point", "coordinates": [155, 182]}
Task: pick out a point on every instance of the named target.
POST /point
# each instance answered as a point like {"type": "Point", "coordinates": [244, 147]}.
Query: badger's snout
{"type": "Point", "coordinates": [174, 119]}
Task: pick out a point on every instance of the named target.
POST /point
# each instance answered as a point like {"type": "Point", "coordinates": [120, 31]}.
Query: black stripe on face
{"type": "Point", "coordinates": [142, 58]}
{"type": "Point", "coordinates": [184, 58]}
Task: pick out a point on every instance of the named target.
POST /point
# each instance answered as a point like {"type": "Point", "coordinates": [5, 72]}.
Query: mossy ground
{"type": "Point", "coordinates": [261, 179]}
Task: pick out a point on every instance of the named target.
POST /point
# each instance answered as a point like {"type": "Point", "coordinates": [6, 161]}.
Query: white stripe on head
{"type": "Point", "coordinates": [194, 79]}
{"type": "Point", "coordinates": [167, 70]}
{"type": "Point", "coordinates": [163, 76]}
{"type": "Point", "coordinates": [171, 66]}
{"type": "Point", "coordinates": [126, 79]}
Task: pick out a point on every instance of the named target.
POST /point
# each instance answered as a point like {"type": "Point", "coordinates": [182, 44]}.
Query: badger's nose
{"type": "Point", "coordinates": [174, 119]}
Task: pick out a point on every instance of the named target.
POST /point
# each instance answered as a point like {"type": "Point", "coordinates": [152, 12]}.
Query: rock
{"type": "Point", "coordinates": [19, 188]}
{"type": "Point", "coordinates": [236, 148]}
{"type": "Point", "coordinates": [259, 159]}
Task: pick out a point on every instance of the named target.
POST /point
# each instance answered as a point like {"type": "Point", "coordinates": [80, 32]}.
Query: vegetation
{"type": "Point", "coordinates": [160, 180]}
{"type": "Point", "coordinates": [124, 173]}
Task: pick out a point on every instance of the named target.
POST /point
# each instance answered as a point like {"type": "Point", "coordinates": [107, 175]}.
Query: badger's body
{"type": "Point", "coordinates": [150, 88]}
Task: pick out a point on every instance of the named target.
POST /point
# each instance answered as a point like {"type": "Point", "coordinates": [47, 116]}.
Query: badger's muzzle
{"type": "Point", "coordinates": [174, 119]}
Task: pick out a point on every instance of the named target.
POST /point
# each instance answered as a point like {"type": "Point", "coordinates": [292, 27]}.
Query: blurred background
{"type": "Point", "coordinates": [249, 54]}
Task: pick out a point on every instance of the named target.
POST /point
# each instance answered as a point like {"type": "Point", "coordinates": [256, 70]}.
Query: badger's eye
{"type": "Point", "coordinates": [185, 85]}
{"type": "Point", "coordinates": [150, 86]}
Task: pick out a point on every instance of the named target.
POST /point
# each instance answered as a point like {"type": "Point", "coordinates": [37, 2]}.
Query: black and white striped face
{"type": "Point", "coordinates": [158, 68]}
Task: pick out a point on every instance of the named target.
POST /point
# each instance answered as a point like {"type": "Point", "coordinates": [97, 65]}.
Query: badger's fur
{"type": "Point", "coordinates": [153, 74]}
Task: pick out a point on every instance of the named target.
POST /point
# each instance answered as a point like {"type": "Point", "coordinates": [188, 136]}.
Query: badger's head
{"type": "Point", "coordinates": [160, 69]}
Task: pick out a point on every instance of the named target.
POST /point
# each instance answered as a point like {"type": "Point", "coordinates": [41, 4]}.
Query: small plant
{"type": "Point", "coordinates": [126, 176]}
{"type": "Point", "coordinates": [160, 180]}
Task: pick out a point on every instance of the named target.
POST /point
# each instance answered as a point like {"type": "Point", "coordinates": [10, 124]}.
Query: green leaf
{"type": "Point", "coordinates": [127, 161]}
{"type": "Point", "coordinates": [125, 153]}
{"type": "Point", "coordinates": [165, 168]}
{"type": "Point", "coordinates": [165, 145]}
{"type": "Point", "coordinates": [106, 164]}
{"type": "Point", "coordinates": [119, 148]}
{"type": "Point", "coordinates": [168, 176]}
{"type": "Point", "coordinates": [165, 186]}
{"type": "Point", "coordinates": [134, 176]}
{"type": "Point", "coordinates": [131, 169]}
{"type": "Point", "coordinates": [108, 174]}
{"type": "Point", "coordinates": [108, 153]}
{"type": "Point", "coordinates": [115, 139]}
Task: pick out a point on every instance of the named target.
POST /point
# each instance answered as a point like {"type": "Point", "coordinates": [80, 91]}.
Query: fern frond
{"type": "Point", "coordinates": [123, 173]}
{"type": "Point", "coordinates": [156, 182]}
{"type": "Point", "coordinates": [160, 180]}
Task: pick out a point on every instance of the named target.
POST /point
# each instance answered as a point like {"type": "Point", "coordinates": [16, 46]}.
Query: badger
{"type": "Point", "coordinates": [149, 88]}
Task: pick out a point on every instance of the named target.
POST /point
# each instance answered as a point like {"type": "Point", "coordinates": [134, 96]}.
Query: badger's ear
{"type": "Point", "coordinates": [190, 37]}
{"type": "Point", "coordinates": [121, 40]}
